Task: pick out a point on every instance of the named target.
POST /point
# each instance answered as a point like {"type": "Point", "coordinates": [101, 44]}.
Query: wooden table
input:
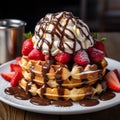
{"type": "Point", "coordinates": [112, 48]}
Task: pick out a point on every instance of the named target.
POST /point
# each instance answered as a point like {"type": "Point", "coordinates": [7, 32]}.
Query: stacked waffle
{"type": "Point", "coordinates": [61, 82]}
{"type": "Point", "coordinates": [62, 60]}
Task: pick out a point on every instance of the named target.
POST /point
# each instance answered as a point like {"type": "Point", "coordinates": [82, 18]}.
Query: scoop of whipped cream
{"type": "Point", "coordinates": [61, 32]}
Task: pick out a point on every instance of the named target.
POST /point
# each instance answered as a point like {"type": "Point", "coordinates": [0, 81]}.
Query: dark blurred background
{"type": "Point", "coordinates": [100, 15]}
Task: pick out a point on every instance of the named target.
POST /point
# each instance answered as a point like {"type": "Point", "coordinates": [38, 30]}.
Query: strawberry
{"type": "Point", "coordinates": [63, 57]}
{"type": "Point", "coordinates": [12, 77]}
{"type": "Point", "coordinates": [95, 54]}
{"type": "Point", "coordinates": [99, 45]}
{"type": "Point", "coordinates": [27, 46]}
{"type": "Point", "coordinates": [8, 76]}
{"type": "Point", "coordinates": [81, 58]}
{"type": "Point", "coordinates": [36, 55]}
{"type": "Point", "coordinates": [15, 79]}
{"type": "Point", "coordinates": [17, 59]}
{"type": "Point", "coordinates": [112, 81]}
{"type": "Point", "coordinates": [15, 67]}
{"type": "Point", "coordinates": [117, 73]}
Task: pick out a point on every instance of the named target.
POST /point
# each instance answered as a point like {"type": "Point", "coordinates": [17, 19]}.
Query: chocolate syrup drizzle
{"type": "Point", "coordinates": [45, 70]}
{"type": "Point", "coordinates": [59, 81]}
{"type": "Point", "coordinates": [28, 86]}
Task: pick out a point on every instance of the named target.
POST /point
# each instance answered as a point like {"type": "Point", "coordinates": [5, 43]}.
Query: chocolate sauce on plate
{"type": "Point", "coordinates": [61, 103]}
{"type": "Point", "coordinates": [18, 93]}
{"type": "Point", "coordinates": [89, 102]}
{"type": "Point", "coordinates": [107, 95]}
{"type": "Point", "coordinates": [40, 101]}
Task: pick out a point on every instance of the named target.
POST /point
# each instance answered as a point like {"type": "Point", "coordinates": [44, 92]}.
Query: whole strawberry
{"type": "Point", "coordinates": [27, 46]}
{"type": "Point", "coordinates": [95, 54]}
{"type": "Point", "coordinates": [63, 57]}
{"type": "Point", "coordinates": [99, 45]}
{"type": "Point", "coordinates": [36, 55]}
{"type": "Point", "coordinates": [81, 58]}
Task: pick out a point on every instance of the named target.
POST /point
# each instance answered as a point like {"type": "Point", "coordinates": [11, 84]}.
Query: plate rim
{"type": "Point", "coordinates": [59, 110]}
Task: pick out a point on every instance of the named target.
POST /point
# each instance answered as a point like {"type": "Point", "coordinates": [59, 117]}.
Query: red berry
{"type": "Point", "coordinates": [36, 55]}
{"type": "Point", "coordinates": [15, 79]}
{"type": "Point", "coordinates": [95, 54]}
{"type": "Point", "coordinates": [8, 76]}
{"type": "Point", "coordinates": [15, 67]}
{"type": "Point", "coordinates": [81, 58]}
{"type": "Point", "coordinates": [99, 45]}
{"type": "Point", "coordinates": [117, 73]}
{"type": "Point", "coordinates": [112, 81]}
{"type": "Point", "coordinates": [63, 57]}
{"type": "Point", "coordinates": [27, 47]}
{"type": "Point", "coordinates": [18, 59]}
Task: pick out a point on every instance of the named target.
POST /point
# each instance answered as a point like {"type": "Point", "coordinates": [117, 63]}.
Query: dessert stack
{"type": "Point", "coordinates": [62, 60]}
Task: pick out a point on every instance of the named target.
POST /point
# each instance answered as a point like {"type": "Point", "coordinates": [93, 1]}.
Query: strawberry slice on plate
{"type": "Point", "coordinates": [113, 81]}
{"type": "Point", "coordinates": [15, 67]}
{"type": "Point", "coordinates": [117, 73]}
{"type": "Point", "coordinates": [12, 77]}
{"type": "Point", "coordinates": [18, 59]}
{"type": "Point", "coordinates": [8, 76]}
{"type": "Point", "coordinates": [15, 79]}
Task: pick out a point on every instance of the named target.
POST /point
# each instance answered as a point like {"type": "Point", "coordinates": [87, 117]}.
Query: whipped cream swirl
{"type": "Point", "coordinates": [61, 32]}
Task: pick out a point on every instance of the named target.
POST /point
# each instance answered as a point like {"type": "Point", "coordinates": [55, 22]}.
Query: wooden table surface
{"type": "Point", "coordinates": [112, 48]}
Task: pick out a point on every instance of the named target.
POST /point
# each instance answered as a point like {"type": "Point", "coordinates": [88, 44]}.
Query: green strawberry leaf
{"type": "Point", "coordinates": [103, 39]}
{"type": "Point", "coordinates": [28, 35]}
{"type": "Point", "coordinates": [95, 35]}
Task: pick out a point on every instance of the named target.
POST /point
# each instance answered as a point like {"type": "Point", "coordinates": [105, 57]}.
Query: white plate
{"type": "Point", "coordinates": [51, 109]}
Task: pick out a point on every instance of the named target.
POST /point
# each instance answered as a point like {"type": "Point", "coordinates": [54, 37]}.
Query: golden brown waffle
{"type": "Point", "coordinates": [73, 84]}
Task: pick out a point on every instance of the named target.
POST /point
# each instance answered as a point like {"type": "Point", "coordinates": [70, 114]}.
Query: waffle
{"type": "Point", "coordinates": [59, 81]}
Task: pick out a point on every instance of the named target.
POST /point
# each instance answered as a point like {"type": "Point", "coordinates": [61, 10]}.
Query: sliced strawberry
{"type": "Point", "coordinates": [15, 67]}
{"type": "Point", "coordinates": [36, 55]}
{"type": "Point", "coordinates": [15, 79]}
{"type": "Point", "coordinates": [17, 59]}
{"type": "Point", "coordinates": [27, 46]}
{"type": "Point", "coordinates": [81, 58]}
{"type": "Point", "coordinates": [112, 81]}
{"type": "Point", "coordinates": [8, 76]}
{"type": "Point", "coordinates": [117, 73]}
{"type": "Point", "coordinates": [63, 57]}
{"type": "Point", "coordinates": [95, 54]}
{"type": "Point", "coordinates": [99, 45]}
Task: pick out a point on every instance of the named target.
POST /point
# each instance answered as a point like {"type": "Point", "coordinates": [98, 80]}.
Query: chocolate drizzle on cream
{"type": "Point", "coordinates": [62, 32]}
